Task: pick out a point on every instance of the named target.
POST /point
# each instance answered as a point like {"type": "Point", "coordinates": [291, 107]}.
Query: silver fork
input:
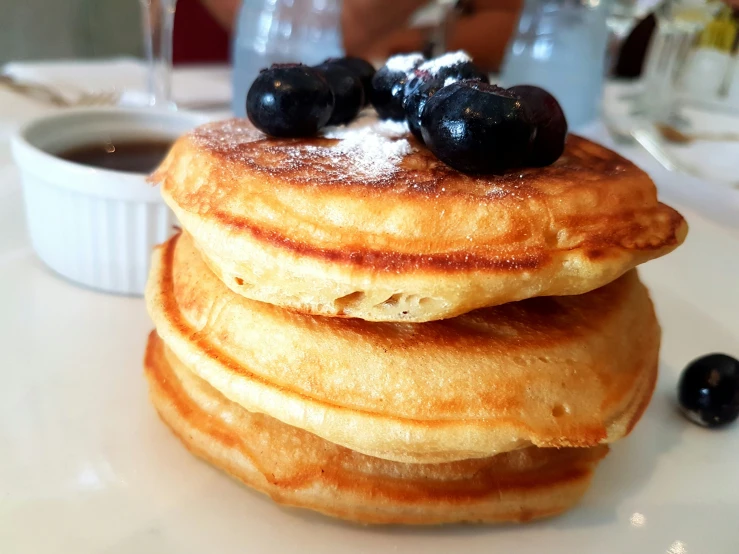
{"type": "Point", "coordinates": [47, 94]}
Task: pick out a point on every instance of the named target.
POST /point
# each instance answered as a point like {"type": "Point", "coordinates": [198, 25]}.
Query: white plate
{"type": "Point", "coordinates": [86, 466]}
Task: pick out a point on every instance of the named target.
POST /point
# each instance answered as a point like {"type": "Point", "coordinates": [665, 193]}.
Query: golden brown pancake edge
{"type": "Point", "coordinates": [562, 371]}
{"type": "Point", "coordinates": [423, 243]}
{"type": "Point", "coordinates": [297, 468]}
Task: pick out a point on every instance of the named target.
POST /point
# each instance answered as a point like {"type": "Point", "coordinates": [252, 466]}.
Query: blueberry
{"type": "Point", "coordinates": [289, 100]}
{"type": "Point", "coordinates": [476, 127]}
{"type": "Point", "coordinates": [708, 390]}
{"type": "Point", "coordinates": [388, 85]}
{"type": "Point", "coordinates": [445, 69]}
{"type": "Point", "coordinates": [360, 68]}
{"type": "Point", "coordinates": [347, 89]}
{"type": "Point", "coordinates": [462, 71]}
{"type": "Point", "coordinates": [551, 125]}
{"type": "Point", "coordinates": [415, 101]}
{"type": "Point", "coordinates": [416, 78]}
{"type": "Point", "coordinates": [429, 78]}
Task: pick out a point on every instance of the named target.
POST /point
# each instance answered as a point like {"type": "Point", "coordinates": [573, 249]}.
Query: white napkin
{"type": "Point", "coordinates": [192, 86]}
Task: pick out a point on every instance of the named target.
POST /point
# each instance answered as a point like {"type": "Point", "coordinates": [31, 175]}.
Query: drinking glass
{"type": "Point", "coordinates": [158, 23]}
{"type": "Point", "coordinates": [679, 23]}
{"type": "Point", "coordinates": [281, 31]}
{"type": "Point", "coordinates": [560, 45]}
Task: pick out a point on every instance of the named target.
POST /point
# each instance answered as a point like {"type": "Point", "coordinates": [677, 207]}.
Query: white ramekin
{"type": "Point", "coordinates": [95, 226]}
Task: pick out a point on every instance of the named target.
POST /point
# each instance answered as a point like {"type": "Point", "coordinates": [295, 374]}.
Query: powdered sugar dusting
{"type": "Point", "coordinates": [404, 62]}
{"type": "Point", "coordinates": [372, 148]}
{"type": "Point", "coordinates": [367, 150]}
{"type": "Point", "coordinates": [391, 128]}
{"type": "Point", "coordinates": [388, 128]}
{"type": "Point", "coordinates": [373, 154]}
{"type": "Point", "coordinates": [364, 119]}
{"type": "Point", "coordinates": [447, 60]}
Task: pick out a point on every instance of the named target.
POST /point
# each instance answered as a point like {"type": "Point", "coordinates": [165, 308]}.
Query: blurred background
{"type": "Point", "coordinates": [54, 29]}
{"type": "Point", "coordinates": [656, 79]}
{"type": "Point", "coordinates": [59, 29]}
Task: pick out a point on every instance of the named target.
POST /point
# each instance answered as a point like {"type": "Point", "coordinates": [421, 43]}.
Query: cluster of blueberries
{"type": "Point", "coordinates": [449, 105]}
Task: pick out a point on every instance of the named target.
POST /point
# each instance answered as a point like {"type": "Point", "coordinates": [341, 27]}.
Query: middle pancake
{"type": "Point", "coordinates": [552, 372]}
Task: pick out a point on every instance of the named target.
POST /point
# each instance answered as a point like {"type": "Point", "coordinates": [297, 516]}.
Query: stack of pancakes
{"type": "Point", "coordinates": [348, 325]}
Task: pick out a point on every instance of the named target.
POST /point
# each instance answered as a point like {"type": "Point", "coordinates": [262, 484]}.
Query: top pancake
{"type": "Point", "coordinates": [371, 225]}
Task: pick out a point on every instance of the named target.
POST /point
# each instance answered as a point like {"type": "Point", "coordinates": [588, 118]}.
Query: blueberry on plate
{"type": "Point", "coordinates": [708, 390]}
{"type": "Point", "coordinates": [388, 85]}
{"type": "Point", "coordinates": [476, 127]}
{"type": "Point", "coordinates": [551, 125]}
{"type": "Point", "coordinates": [360, 68]}
{"type": "Point", "coordinates": [347, 89]}
{"type": "Point", "coordinates": [289, 100]}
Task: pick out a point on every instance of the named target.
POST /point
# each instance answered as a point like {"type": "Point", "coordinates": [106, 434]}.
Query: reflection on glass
{"type": "Point", "coordinates": [157, 18]}
{"type": "Point", "coordinates": [678, 24]}
{"type": "Point", "coordinates": [560, 46]}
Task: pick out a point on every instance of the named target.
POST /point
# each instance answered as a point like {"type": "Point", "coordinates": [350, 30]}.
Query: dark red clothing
{"type": "Point", "coordinates": [198, 38]}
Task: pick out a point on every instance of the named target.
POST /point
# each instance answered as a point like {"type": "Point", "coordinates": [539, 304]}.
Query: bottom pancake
{"type": "Point", "coordinates": [297, 468]}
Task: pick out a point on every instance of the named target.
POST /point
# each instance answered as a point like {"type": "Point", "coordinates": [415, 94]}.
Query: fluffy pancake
{"type": "Point", "coordinates": [372, 225]}
{"type": "Point", "coordinates": [299, 469]}
{"type": "Point", "coordinates": [552, 372]}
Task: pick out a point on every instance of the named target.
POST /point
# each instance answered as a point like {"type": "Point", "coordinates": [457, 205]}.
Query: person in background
{"type": "Point", "coordinates": [376, 29]}
{"type": "Point", "coordinates": [372, 29]}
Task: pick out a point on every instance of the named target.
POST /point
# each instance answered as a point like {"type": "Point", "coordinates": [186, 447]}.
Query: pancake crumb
{"type": "Point", "coordinates": [374, 149]}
